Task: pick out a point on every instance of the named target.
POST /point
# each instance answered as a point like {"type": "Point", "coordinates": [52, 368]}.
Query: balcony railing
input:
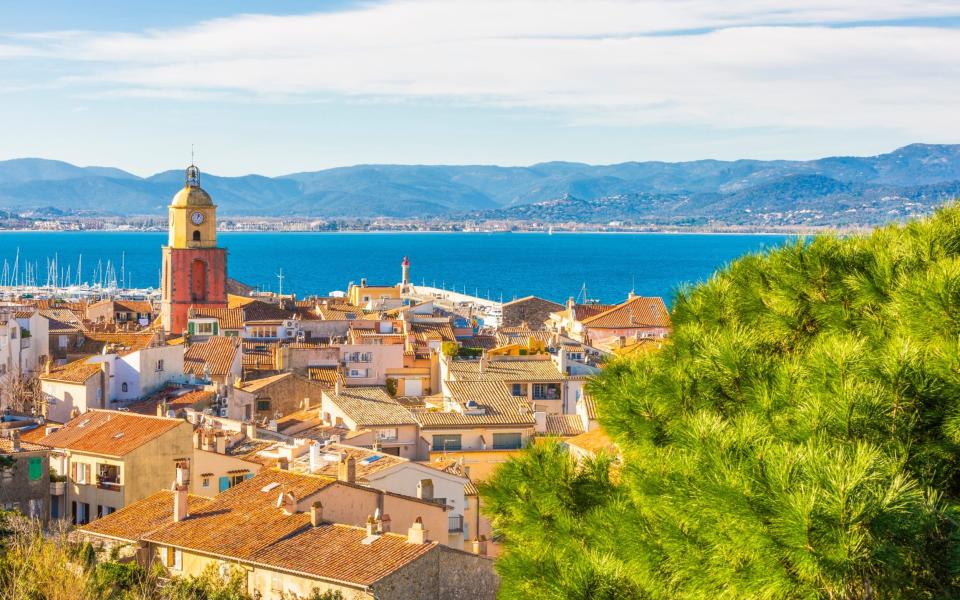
{"type": "Point", "coordinates": [455, 524]}
{"type": "Point", "coordinates": [108, 484]}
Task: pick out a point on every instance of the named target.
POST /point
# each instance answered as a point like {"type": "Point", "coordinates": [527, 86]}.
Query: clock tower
{"type": "Point", "coordinates": [194, 272]}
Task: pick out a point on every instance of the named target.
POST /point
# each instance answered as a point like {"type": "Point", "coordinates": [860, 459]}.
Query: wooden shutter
{"type": "Point", "coordinates": [216, 327]}
{"type": "Point", "coordinates": [35, 470]}
{"type": "Point", "coordinates": [86, 474]}
{"type": "Point", "coordinates": [190, 327]}
{"type": "Point", "coordinates": [73, 471]}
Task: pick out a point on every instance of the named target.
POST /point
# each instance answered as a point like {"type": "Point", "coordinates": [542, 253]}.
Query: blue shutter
{"type": "Point", "coordinates": [224, 484]}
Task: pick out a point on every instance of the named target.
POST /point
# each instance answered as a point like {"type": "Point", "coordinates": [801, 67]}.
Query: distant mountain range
{"type": "Point", "coordinates": [835, 190]}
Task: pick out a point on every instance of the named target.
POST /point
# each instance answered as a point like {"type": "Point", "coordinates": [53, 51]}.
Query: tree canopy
{"type": "Point", "coordinates": [798, 437]}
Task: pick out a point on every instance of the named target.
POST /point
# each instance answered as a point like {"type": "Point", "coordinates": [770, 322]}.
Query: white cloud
{"type": "Point", "coordinates": [735, 64]}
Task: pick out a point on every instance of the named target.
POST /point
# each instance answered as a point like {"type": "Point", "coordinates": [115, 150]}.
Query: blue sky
{"type": "Point", "coordinates": [284, 86]}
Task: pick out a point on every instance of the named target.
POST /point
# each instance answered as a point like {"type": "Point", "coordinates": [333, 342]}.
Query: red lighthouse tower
{"type": "Point", "coordinates": [194, 270]}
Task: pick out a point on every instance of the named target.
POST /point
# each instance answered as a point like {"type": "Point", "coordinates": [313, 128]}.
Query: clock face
{"type": "Point", "coordinates": [197, 218]}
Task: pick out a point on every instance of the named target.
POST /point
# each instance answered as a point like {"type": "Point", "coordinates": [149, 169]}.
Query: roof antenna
{"type": "Point", "coordinates": [192, 161]}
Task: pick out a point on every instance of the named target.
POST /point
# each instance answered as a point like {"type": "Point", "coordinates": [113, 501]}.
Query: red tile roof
{"type": "Point", "coordinates": [218, 353]}
{"type": "Point", "coordinates": [108, 432]}
{"type": "Point", "coordinates": [636, 312]}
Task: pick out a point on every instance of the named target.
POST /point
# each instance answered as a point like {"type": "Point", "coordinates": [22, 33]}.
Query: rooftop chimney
{"type": "Point", "coordinates": [283, 463]}
{"type": "Point", "coordinates": [15, 441]}
{"type": "Point", "coordinates": [371, 525]}
{"type": "Point", "coordinates": [540, 421]}
{"type": "Point", "coordinates": [338, 385]}
{"type": "Point", "coordinates": [196, 438]}
{"type": "Point", "coordinates": [417, 534]}
{"type": "Point", "coordinates": [180, 508]}
{"type": "Point", "coordinates": [385, 524]}
{"type": "Point", "coordinates": [314, 457]}
{"type": "Point", "coordinates": [221, 441]}
{"type": "Point", "coordinates": [571, 303]}
{"type": "Point", "coordinates": [183, 473]}
{"type": "Point", "coordinates": [316, 514]}
{"type": "Point", "coordinates": [347, 469]}
{"type": "Point", "coordinates": [288, 502]}
{"type": "Point", "coordinates": [480, 545]}
{"type": "Point", "coordinates": [425, 489]}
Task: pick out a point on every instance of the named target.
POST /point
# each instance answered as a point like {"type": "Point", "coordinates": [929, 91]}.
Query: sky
{"type": "Point", "coordinates": [287, 86]}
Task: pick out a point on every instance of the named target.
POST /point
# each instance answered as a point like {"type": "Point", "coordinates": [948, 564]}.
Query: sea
{"type": "Point", "coordinates": [500, 266]}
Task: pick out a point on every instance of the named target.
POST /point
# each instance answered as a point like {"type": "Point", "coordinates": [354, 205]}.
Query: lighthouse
{"type": "Point", "coordinates": [405, 272]}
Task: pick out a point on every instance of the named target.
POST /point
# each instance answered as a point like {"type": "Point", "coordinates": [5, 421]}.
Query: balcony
{"type": "Point", "coordinates": [57, 488]}
{"type": "Point", "coordinates": [109, 484]}
{"type": "Point", "coordinates": [455, 524]}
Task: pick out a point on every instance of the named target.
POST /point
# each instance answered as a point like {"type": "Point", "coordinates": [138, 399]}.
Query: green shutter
{"type": "Point", "coordinates": [190, 327]}
{"type": "Point", "coordinates": [215, 327]}
{"type": "Point", "coordinates": [36, 468]}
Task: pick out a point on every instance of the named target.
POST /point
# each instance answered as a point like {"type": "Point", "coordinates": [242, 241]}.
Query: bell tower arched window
{"type": "Point", "coordinates": [196, 235]}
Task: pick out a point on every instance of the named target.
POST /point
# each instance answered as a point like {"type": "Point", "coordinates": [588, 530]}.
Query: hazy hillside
{"type": "Point", "coordinates": [833, 190]}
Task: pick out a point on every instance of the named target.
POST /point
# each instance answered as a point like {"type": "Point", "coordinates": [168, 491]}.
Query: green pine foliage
{"type": "Point", "coordinates": [799, 437]}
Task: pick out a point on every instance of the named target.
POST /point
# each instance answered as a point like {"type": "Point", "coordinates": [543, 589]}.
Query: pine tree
{"type": "Point", "coordinates": [798, 437]}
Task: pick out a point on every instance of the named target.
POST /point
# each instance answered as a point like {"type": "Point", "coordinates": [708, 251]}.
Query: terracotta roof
{"type": "Point", "coordinates": [124, 343]}
{"type": "Point", "coordinates": [265, 311]}
{"type": "Point", "coordinates": [258, 355]}
{"type": "Point", "coordinates": [299, 420]}
{"type": "Point", "coordinates": [486, 342]}
{"type": "Point", "coordinates": [78, 371]}
{"type": "Point", "coordinates": [636, 312]}
{"type": "Point", "coordinates": [218, 352]}
{"type": "Point", "coordinates": [370, 406]}
{"type": "Point", "coordinates": [499, 406]}
{"type": "Point", "coordinates": [594, 442]}
{"type": "Point", "coordinates": [108, 432]}
{"type": "Point", "coordinates": [6, 446]}
{"type": "Point", "coordinates": [585, 311]}
{"type": "Point", "coordinates": [137, 306]}
{"type": "Point", "coordinates": [136, 520]}
{"type": "Point", "coordinates": [507, 368]}
{"type": "Point", "coordinates": [244, 524]}
{"type": "Point", "coordinates": [175, 401]}
{"type": "Point", "coordinates": [324, 375]}
{"type": "Point", "coordinates": [340, 313]}
{"type": "Point", "coordinates": [522, 335]}
{"type": "Point", "coordinates": [228, 318]}
{"type": "Point", "coordinates": [564, 425]}
{"type": "Point", "coordinates": [425, 332]}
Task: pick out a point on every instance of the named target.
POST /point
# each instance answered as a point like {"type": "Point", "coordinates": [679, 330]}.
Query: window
{"type": "Point", "coordinates": [124, 387]}
{"type": "Point", "coordinates": [35, 470]}
{"type": "Point", "coordinates": [387, 434]}
{"type": "Point", "coordinates": [442, 442]}
{"type": "Point", "coordinates": [206, 482]}
{"type": "Point", "coordinates": [62, 341]}
{"type": "Point", "coordinates": [276, 582]}
{"type": "Point", "coordinates": [263, 405]}
{"type": "Point", "coordinates": [204, 328]}
{"type": "Point", "coordinates": [80, 473]}
{"type": "Point", "coordinates": [506, 441]}
{"type": "Point", "coordinates": [172, 558]}
{"type": "Point", "coordinates": [518, 390]}
{"type": "Point", "coordinates": [358, 372]}
{"type": "Point", "coordinates": [196, 235]}
{"type": "Point", "coordinates": [160, 365]}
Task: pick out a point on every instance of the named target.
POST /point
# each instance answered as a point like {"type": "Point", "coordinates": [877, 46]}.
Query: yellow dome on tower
{"type": "Point", "coordinates": [192, 194]}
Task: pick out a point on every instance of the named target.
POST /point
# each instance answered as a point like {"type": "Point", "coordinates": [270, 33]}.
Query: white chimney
{"type": "Point", "coordinates": [417, 534]}
{"type": "Point", "coordinates": [479, 545]}
{"type": "Point", "coordinates": [314, 457]}
{"type": "Point", "coordinates": [183, 473]}
{"type": "Point", "coordinates": [180, 509]}
{"type": "Point", "coordinates": [316, 514]}
{"type": "Point", "coordinates": [221, 441]}
{"type": "Point", "coordinates": [540, 421]}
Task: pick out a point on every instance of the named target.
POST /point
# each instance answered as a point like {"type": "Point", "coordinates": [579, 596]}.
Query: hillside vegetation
{"type": "Point", "coordinates": [799, 437]}
{"type": "Point", "coordinates": [838, 190]}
